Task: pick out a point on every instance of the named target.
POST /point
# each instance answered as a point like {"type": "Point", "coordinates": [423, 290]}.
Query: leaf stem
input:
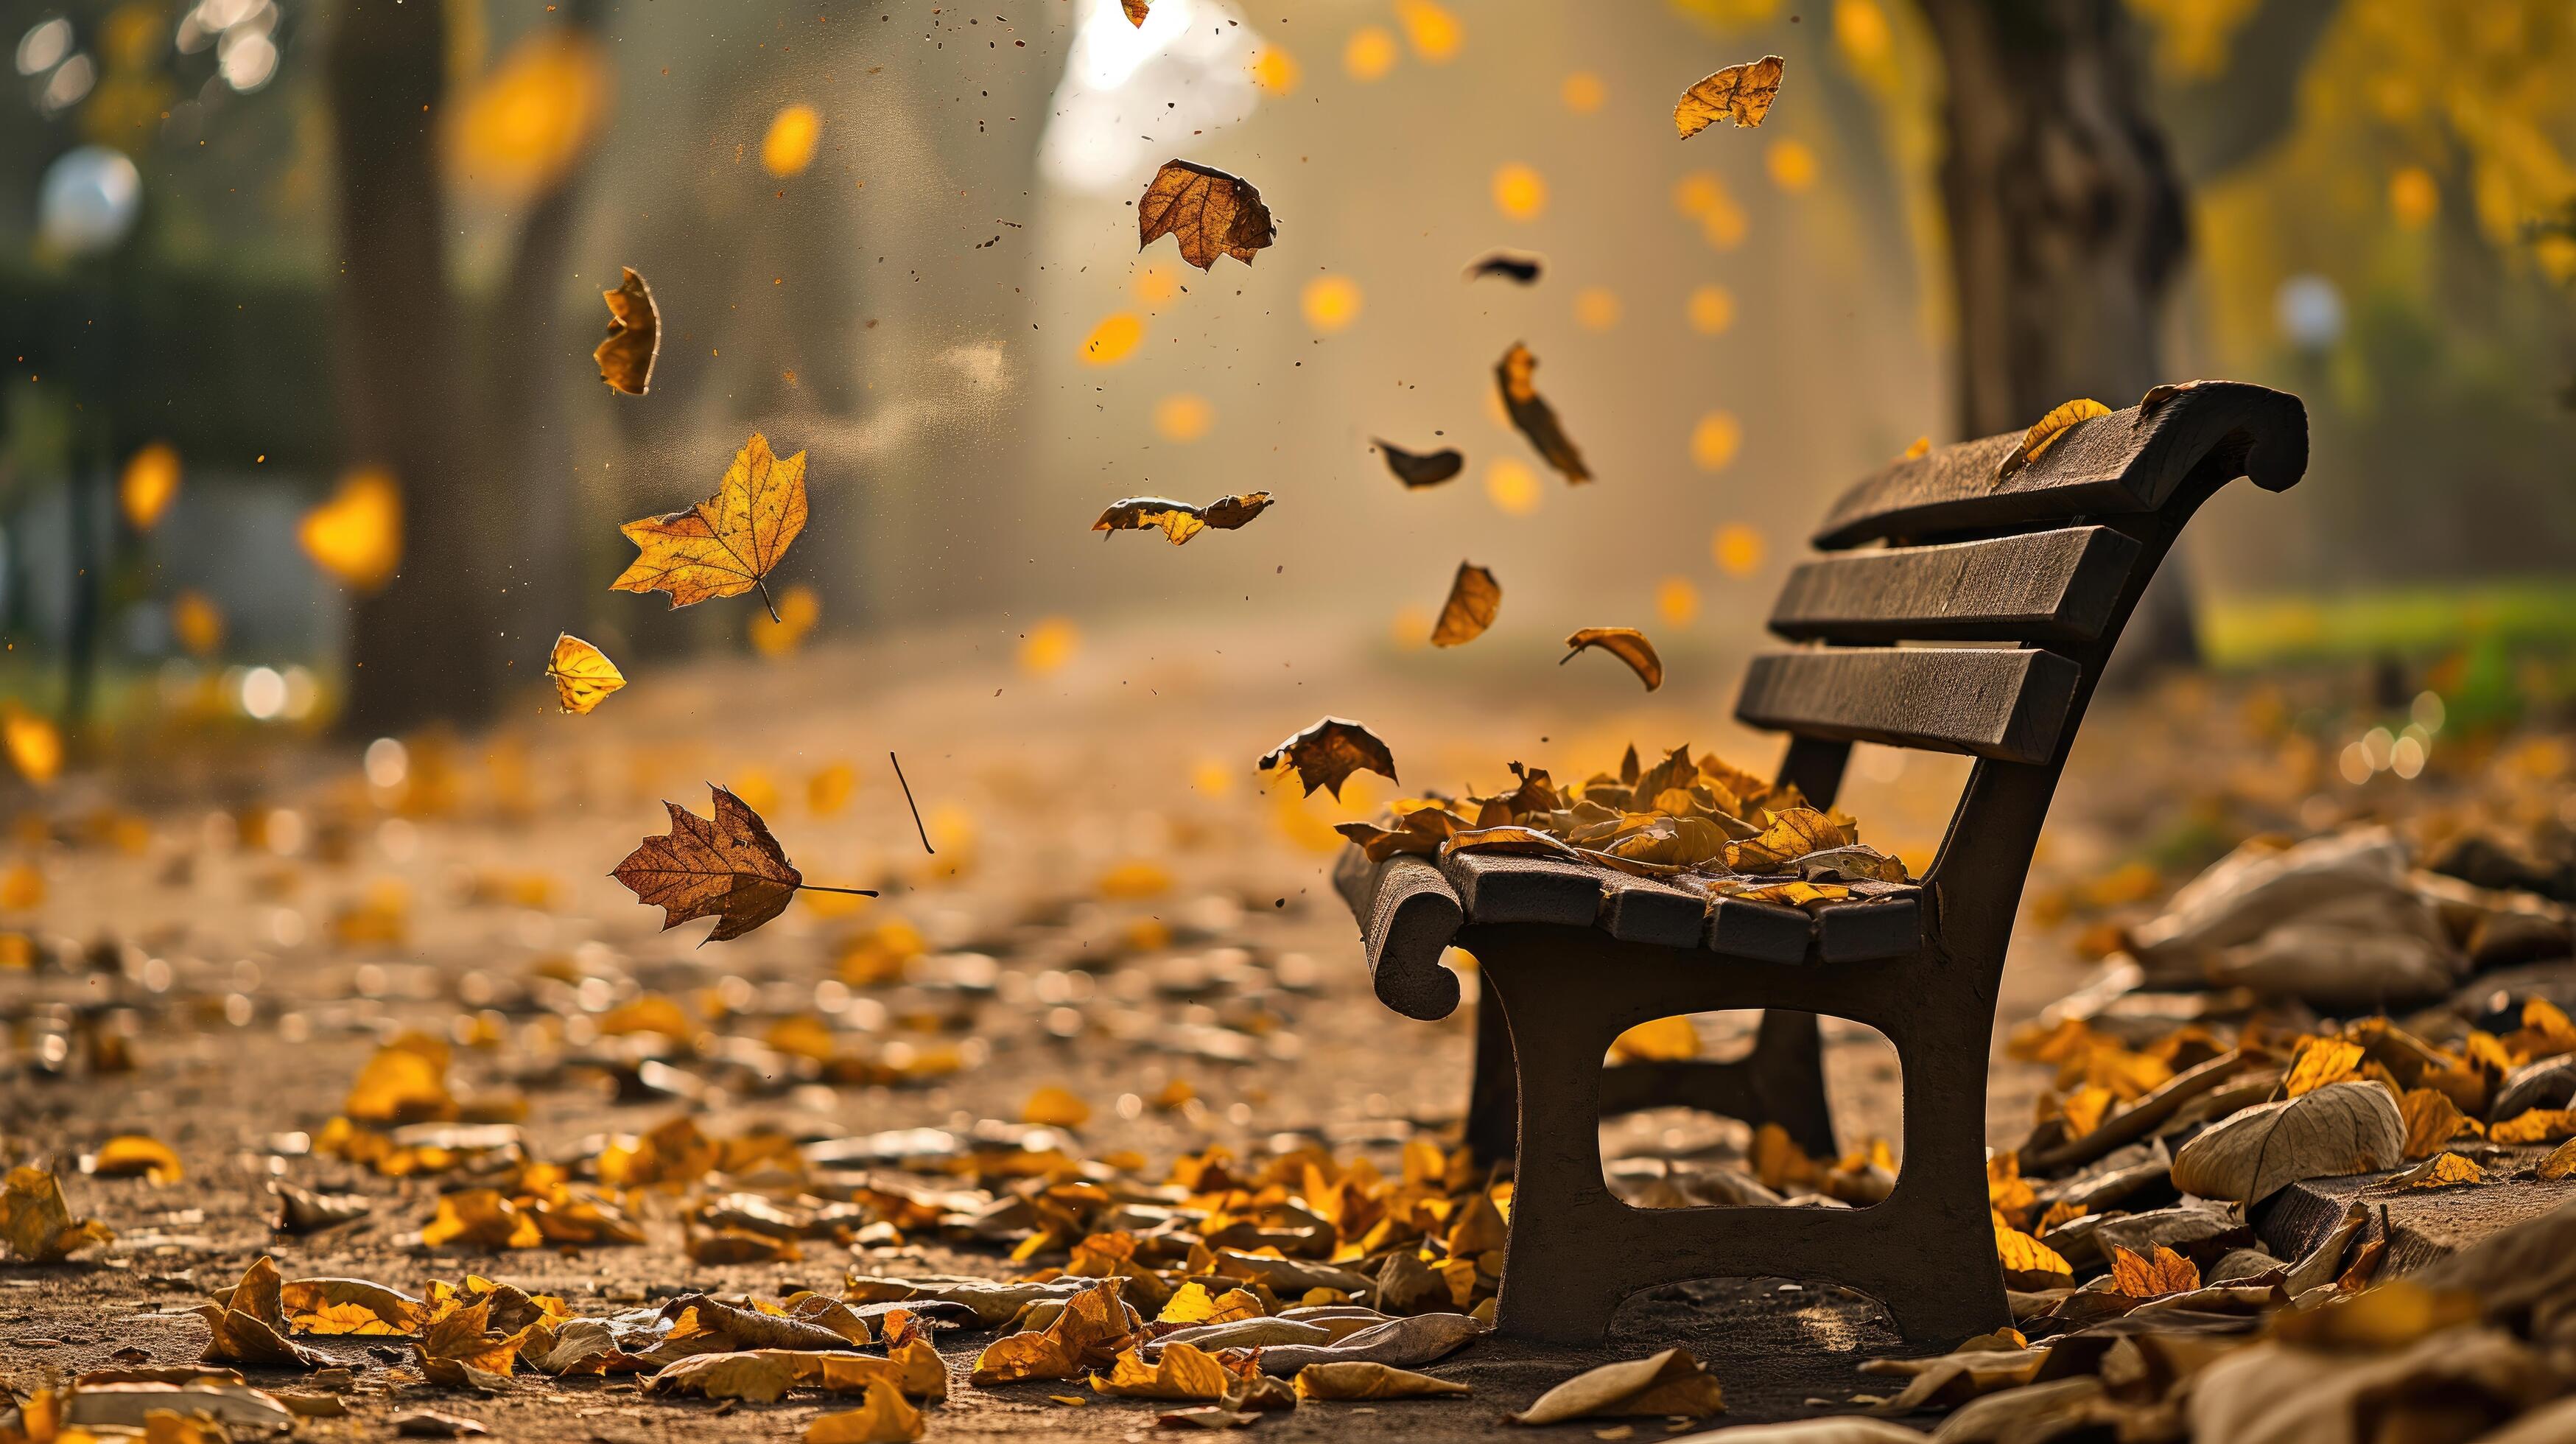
{"type": "Point", "coordinates": [852, 891]}
{"type": "Point", "coordinates": [763, 584]}
{"type": "Point", "coordinates": [915, 806]}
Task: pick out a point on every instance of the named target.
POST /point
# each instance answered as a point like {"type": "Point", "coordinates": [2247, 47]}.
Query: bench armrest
{"type": "Point", "coordinates": [1407, 915]}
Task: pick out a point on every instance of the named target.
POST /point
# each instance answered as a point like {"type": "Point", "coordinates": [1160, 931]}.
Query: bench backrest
{"type": "Point", "coordinates": [1942, 549]}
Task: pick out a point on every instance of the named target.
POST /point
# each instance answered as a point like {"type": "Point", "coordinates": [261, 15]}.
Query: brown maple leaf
{"type": "Point", "coordinates": [1740, 93]}
{"type": "Point", "coordinates": [727, 867]}
{"type": "Point", "coordinates": [625, 359]}
{"type": "Point", "coordinates": [1474, 598]}
{"type": "Point", "coordinates": [1625, 643]}
{"type": "Point", "coordinates": [1326, 754]}
{"type": "Point", "coordinates": [1423, 468]}
{"type": "Point", "coordinates": [1213, 214]}
{"type": "Point", "coordinates": [1535, 418]}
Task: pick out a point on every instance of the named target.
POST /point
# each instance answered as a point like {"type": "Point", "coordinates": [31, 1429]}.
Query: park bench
{"type": "Point", "coordinates": [2035, 572]}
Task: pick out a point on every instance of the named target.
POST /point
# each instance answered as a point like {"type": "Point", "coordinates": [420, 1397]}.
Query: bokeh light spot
{"type": "Point", "coordinates": [790, 144]}
{"type": "Point", "coordinates": [1715, 440]}
{"type": "Point", "coordinates": [1049, 645]}
{"type": "Point", "coordinates": [1330, 302]}
{"type": "Point", "coordinates": [1676, 600]}
{"type": "Point", "coordinates": [1109, 342]}
{"type": "Point", "coordinates": [1596, 308]}
{"type": "Point", "coordinates": [1434, 31]}
{"type": "Point", "coordinates": [1183, 416]}
{"type": "Point", "coordinates": [1275, 70]}
{"type": "Point", "coordinates": [1583, 92]}
{"type": "Point", "coordinates": [1712, 309]}
{"type": "Point", "coordinates": [1738, 549]}
{"type": "Point", "coordinates": [1519, 192]}
{"type": "Point", "coordinates": [1155, 284]}
{"type": "Point", "coordinates": [1370, 53]}
{"type": "Point", "coordinates": [2413, 197]}
{"type": "Point", "coordinates": [1792, 165]}
{"type": "Point", "coordinates": [1512, 487]}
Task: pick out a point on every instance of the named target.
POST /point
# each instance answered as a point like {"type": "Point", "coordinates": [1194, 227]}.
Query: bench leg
{"type": "Point", "coordinates": [1493, 1094]}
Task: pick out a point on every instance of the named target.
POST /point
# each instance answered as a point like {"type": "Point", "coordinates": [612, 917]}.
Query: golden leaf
{"type": "Point", "coordinates": [1921, 448]}
{"type": "Point", "coordinates": [625, 359]}
{"type": "Point", "coordinates": [2539, 1125]}
{"type": "Point", "coordinates": [1179, 520]}
{"type": "Point", "coordinates": [885, 1417]}
{"type": "Point", "coordinates": [1191, 1303]}
{"type": "Point", "coordinates": [1211, 213]}
{"type": "Point", "coordinates": [1531, 414]}
{"type": "Point", "coordinates": [38, 1225]}
{"type": "Point", "coordinates": [150, 483]}
{"type": "Point", "coordinates": [1794, 832]}
{"type": "Point", "coordinates": [729, 543]}
{"type": "Point", "coordinates": [350, 1306]}
{"type": "Point", "coordinates": [1091, 1329]}
{"type": "Point", "coordinates": [726, 867]}
{"type": "Point", "coordinates": [1669, 1383]}
{"type": "Point", "coordinates": [1055, 1106]}
{"type": "Point", "coordinates": [1474, 598]}
{"type": "Point", "coordinates": [2024, 1257]}
{"type": "Point", "coordinates": [1327, 753]}
{"type": "Point", "coordinates": [2445, 1170]}
{"type": "Point", "coordinates": [130, 1154]}
{"type": "Point", "coordinates": [1360, 1380]}
{"type": "Point", "coordinates": [1625, 643]}
{"type": "Point", "coordinates": [2432, 1120]}
{"type": "Point", "coordinates": [1740, 93]}
{"type": "Point", "coordinates": [2322, 1061]}
{"type": "Point", "coordinates": [481, 1218]}
{"type": "Point", "coordinates": [1136, 10]}
{"type": "Point", "coordinates": [1183, 1372]}
{"type": "Point", "coordinates": [2153, 1278]}
{"type": "Point", "coordinates": [357, 535]}
{"type": "Point", "coordinates": [35, 747]}
{"type": "Point", "coordinates": [405, 1082]}
{"type": "Point", "coordinates": [1418, 469]}
{"type": "Point", "coordinates": [2044, 432]}
{"type": "Point", "coordinates": [583, 675]}
{"type": "Point", "coordinates": [2561, 1162]}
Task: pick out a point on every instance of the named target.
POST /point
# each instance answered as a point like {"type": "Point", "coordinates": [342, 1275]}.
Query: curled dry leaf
{"type": "Point", "coordinates": [1508, 264]}
{"type": "Point", "coordinates": [2028, 1263]}
{"type": "Point", "coordinates": [885, 1417]}
{"type": "Point", "coordinates": [2160, 394]}
{"type": "Point", "coordinates": [1533, 416]}
{"type": "Point", "coordinates": [2339, 1129]}
{"type": "Point", "coordinates": [1327, 753]}
{"type": "Point", "coordinates": [1625, 643]}
{"type": "Point", "coordinates": [1428, 468]}
{"type": "Point", "coordinates": [1092, 1329]}
{"type": "Point", "coordinates": [2044, 432]}
{"type": "Point", "coordinates": [1474, 598]}
{"type": "Point", "coordinates": [1210, 212]}
{"type": "Point", "coordinates": [1179, 520]}
{"type": "Point", "coordinates": [131, 1155]}
{"type": "Point", "coordinates": [1740, 93]}
{"type": "Point", "coordinates": [248, 1325]}
{"type": "Point", "coordinates": [582, 674]}
{"type": "Point", "coordinates": [634, 335]}
{"type": "Point", "coordinates": [302, 1210]}
{"type": "Point", "coordinates": [1183, 1372]}
{"type": "Point", "coordinates": [1403, 1343]}
{"type": "Point", "coordinates": [727, 867]}
{"type": "Point", "coordinates": [1671, 1382]}
{"type": "Point", "coordinates": [2432, 1120]}
{"type": "Point", "coordinates": [727, 544]}
{"type": "Point", "coordinates": [333, 1306]}
{"type": "Point", "coordinates": [1370, 1381]}
{"type": "Point", "coordinates": [38, 1225]}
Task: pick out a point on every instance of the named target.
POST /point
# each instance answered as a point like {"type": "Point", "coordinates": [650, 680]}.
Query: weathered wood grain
{"type": "Point", "coordinates": [2007, 704]}
{"type": "Point", "coordinates": [2038, 587]}
{"type": "Point", "coordinates": [1641, 910]}
{"type": "Point", "coordinates": [1759, 931]}
{"type": "Point", "coordinates": [1503, 889]}
{"type": "Point", "coordinates": [1855, 932]}
{"type": "Point", "coordinates": [2125, 462]}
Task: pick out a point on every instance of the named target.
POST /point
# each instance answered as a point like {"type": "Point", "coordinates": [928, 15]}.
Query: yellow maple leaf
{"type": "Point", "coordinates": [583, 675]}
{"type": "Point", "coordinates": [729, 543]}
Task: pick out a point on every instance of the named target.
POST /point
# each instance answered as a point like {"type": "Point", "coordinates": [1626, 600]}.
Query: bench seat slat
{"type": "Point", "coordinates": [1501, 888]}
{"type": "Point", "coordinates": [2129, 461]}
{"type": "Point", "coordinates": [1855, 932]}
{"type": "Point", "coordinates": [2039, 586]}
{"type": "Point", "coordinates": [1641, 910]}
{"type": "Point", "coordinates": [1764, 932]}
{"type": "Point", "coordinates": [2006, 704]}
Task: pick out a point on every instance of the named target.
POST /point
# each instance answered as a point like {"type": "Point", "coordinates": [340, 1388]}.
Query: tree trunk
{"type": "Point", "coordinates": [422, 648]}
{"type": "Point", "coordinates": [2066, 227]}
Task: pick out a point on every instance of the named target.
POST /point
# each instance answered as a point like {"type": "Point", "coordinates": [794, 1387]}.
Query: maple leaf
{"type": "Point", "coordinates": [1429, 468]}
{"type": "Point", "coordinates": [1326, 754]}
{"type": "Point", "coordinates": [2152, 1276]}
{"type": "Point", "coordinates": [727, 867]}
{"type": "Point", "coordinates": [1474, 598]}
{"type": "Point", "coordinates": [583, 675]}
{"type": "Point", "coordinates": [727, 544]}
{"type": "Point", "coordinates": [1211, 213]}
{"type": "Point", "coordinates": [1625, 643]}
{"type": "Point", "coordinates": [1533, 416]}
{"type": "Point", "coordinates": [625, 359]}
{"type": "Point", "coordinates": [1524, 269]}
{"type": "Point", "coordinates": [1179, 520]}
{"type": "Point", "coordinates": [1740, 93]}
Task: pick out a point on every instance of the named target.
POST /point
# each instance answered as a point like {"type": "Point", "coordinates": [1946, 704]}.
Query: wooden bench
{"type": "Point", "coordinates": [2048, 561]}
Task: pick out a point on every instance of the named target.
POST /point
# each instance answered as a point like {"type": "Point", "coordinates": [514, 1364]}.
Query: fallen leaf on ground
{"type": "Point", "coordinates": [634, 335]}
{"type": "Point", "coordinates": [127, 1409]}
{"type": "Point", "coordinates": [727, 544]}
{"type": "Point", "coordinates": [1179, 520]}
{"type": "Point", "coordinates": [2339, 1129]}
{"type": "Point", "coordinates": [885, 1418]}
{"type": "Point", "coordinates": [2432, 1120]}
{"type": "Point", "coordinates": [481, 1218]}
{"type": "Point", "coordinates": [2561, 1162]}
{"type": "Point", "coordinates": [2028, 1263]}
{"type": "Point", "coordinates": [38, 1225]}
{"type": "Point", "coordinates": [2539, 1125]}
{"type": "Point", "coordinates": [302, 1211]}
{"type": "Point", "coordinates": [1370, 1381]}
{"type": "Point", "coordinates": [1672, 1382]}
{"type": "Point", "coordinates": [1091, 1330]}
{"type": "Point", "coordinates": [1625, 643]}
{"type": "Point", "coordinates": [726, 867]}
{"type": "Point", "coordinates": [583, 675]}
{"type": "Point", "coordinates": [350, 1306]}
{"type": "Point", "coordinates": [2044, 432]}
{"type": "Point", "coordinates": [2443, 1170]}
{"type": "Point", "coordinates": [1474, 598]}
{"type": "Point", "coordinates": [131, 1154]}
{"type": "Point", "coordinates": [1740, 93]}
{"type": "Point", "coordinates": [1327, 753]}
{"type": "Point", "coordinates": [1055, 1106]}
{"type": "Point", "coordinates": [1208, 1416]}
{"type": "Point", "coordinates": [1184, 1372]}
{"type": "Point", "coordinates": [248, 1324]}
{"type": "Point", "coordinates": [2153, 1277]}
{"type": "Point", "coordinates": [1404, 1343]}
{"type": "Point", "coordinates": [1428, 468]}
{"type": "Point", "coordinates": [1533, 416]}
{"type": "Point", "coordinates": [2322, 1061]}
{"type": "Point", "coordinates": [1211, 213]}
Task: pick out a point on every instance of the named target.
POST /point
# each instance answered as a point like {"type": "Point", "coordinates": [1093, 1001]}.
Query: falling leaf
{"type": "Point", "coordinates": [518, 131]}
{"type": "Point", "coordinates": [727, 867]}
{"type": "Point", "coordinates": [1055, 1106]}
{"type": "Point", "coordinates": [1327, 753]}
{"type": "Point", "coordinates": [1671, 1382]}
{"type": "Point", "coordinates": [1625, 643]}
{"type": "Point", "coordinates": [2152, 1278]}
{"type": "Point", "coordinates": [729, 543]}
{"type": "Point", "coordinates": [1136, 10]}
{"type": "Point", "coordinates": [357, 535]}
{"type": "Point", "coordinates": [2045, 432]}
{"type": "Point", "coordinates": [625, 359]}
{"type": "Point", "coordinates": [1533, 416]}
{"type": "Point", "coordinates": [886, 1417]}
{"type": "Point", "coordinates": [38, 1225]}
{"type": "Point", "coordinates": [1211, 213]}
{"type": "Point", "coordinates": [2342, 1128]}
{"type": "Point", "coordinates": [149, 485]}
{"type": "Point", "coordinates": [1474, 598]}
{"type": "Point", "coordinates": [1179, 520]}
{"type": "Point", "coordinates": [1740, 93]}
{"type": "Point", "coordinates": [131, 1154]}
{"type": "Point", "coordinates": [582, 673]}
{"type": "Point", "coordinates": [1509, 264]}
{"type": "Point", "coordinates": [1428, 468]}
{"type": "Point", "coordinates": [1184, 1372]}
{"type": "Point", "coordinates": [1362, 1380]}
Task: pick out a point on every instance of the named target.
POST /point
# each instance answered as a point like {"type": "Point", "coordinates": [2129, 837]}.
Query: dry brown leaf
{"type": "Point", "coordinates": [1210, 212]}
{"type": "Point", "coordinates": [2560, 1162]}
{"type": "Point", "coordinates": [1179, 520]}
{"type": "Point", "coordinates": [2045, 432]}
{"type": "Point", "coordinates": [727, 867]}
{"type": "Point", "coordinates": [2432, 1121]}
{"type": "Point", "coordinates": [729, 543]}
{"type": "Point", "coordinates": [2342, 1128]}
{"type": "Point", "coordinates": [2158, 395]}
{"type": "Point", "coordinates": [1360, 1380]}
{"type": "Point", "coordinates": [1740, 93]}
{"type": "Point", "coordinates": [1508, 264]}
{"type": "Point", "coordinates": [2443, 1170]}
{"type": "Point", "coordinates": [634, 335]}
{"type": "Point", "coordinates": [1671, 1382]}
{"type": "Point", "coordinates": [1474, 598]}
{"type": "Point", "coordinates": [1625, 643]}
{"type": "Point", "coordinates": [1090, 1330]}
{"type": "Point", "coordinates": [2153, 1278]}
{"type": "Point", "coordinates": [130, 1155]}
{"type": "Point", "coordinates": [1419, 469]}
{"type": "Point", "coordinates": [1136, 11]}
{"type": "Point", "coordinates": [2539, 1125]}
{"type": "Point", "coordinates": [582, 674]}
{"type": "Point", "coordinates": [248, 1324]}
{"type": "Point", "coordinates": [1534, 417]}
{"type": "Point", "coordinates": [1327, 753]}
{"type": "Point", "coordinates": [38, 1225]}
{"type": "Point", "coordinates": [1794, 832]}
{"type": "Point", "coordinates": [1184, 1372]}
{"type": "Point", "coordinates": [350, 1306]}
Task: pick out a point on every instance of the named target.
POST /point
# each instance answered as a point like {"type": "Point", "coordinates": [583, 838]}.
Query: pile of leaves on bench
{"type": "Point", "coordinates": [1699, 823]}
